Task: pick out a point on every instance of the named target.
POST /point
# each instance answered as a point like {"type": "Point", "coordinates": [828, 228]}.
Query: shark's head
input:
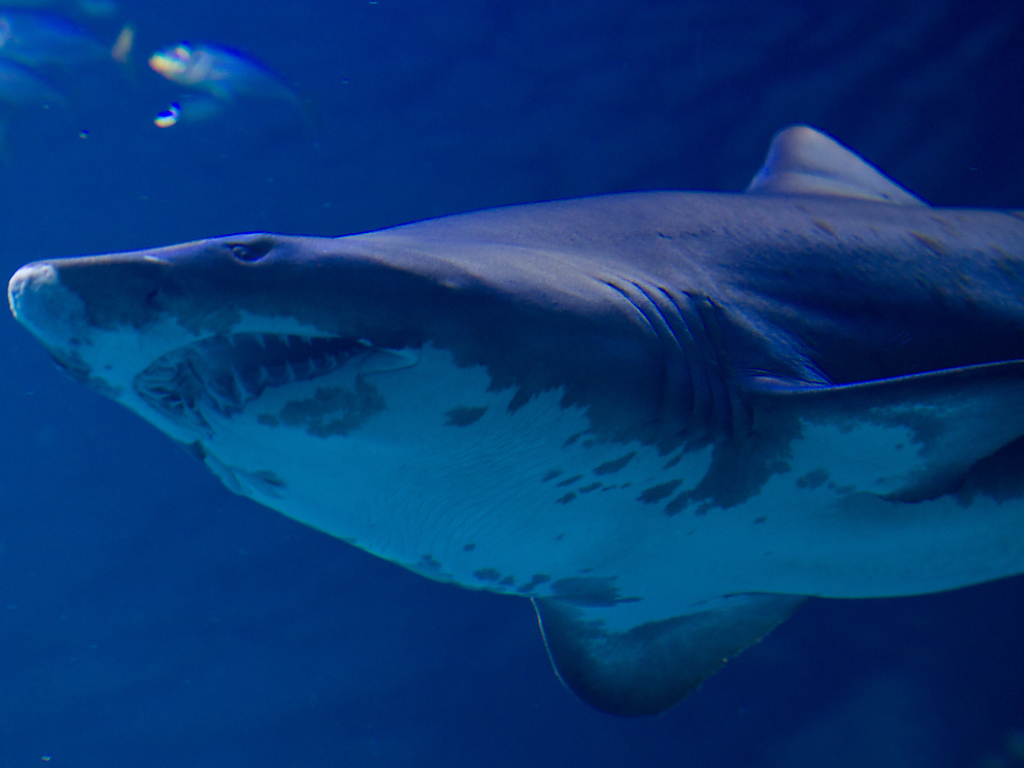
{"type": "Point", "coordinates": [191, 334]}
{"type": "Point", "coordinates": [293, 365]}
{"type": "Point", "coordinates": [183, 332]}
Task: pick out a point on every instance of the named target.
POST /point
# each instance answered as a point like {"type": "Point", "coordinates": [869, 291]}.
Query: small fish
{"type": "Point", "coordinates": [220, 72]}
{"type": "Point", "coordinates": [168, 117]}
{"type": "Point", "coordinates": [191, 109]}
{"type": "Point", "coordinates": [42, 40]}
{"type": "Point", "coordinates": [122, 47]}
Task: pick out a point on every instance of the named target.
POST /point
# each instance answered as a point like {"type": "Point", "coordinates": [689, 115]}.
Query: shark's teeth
{"type": "Point", "coordinates": [227, 372]}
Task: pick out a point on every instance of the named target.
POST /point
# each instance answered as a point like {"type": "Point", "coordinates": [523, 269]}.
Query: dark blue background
{"type": "Point", "coordinates": [150, 618]}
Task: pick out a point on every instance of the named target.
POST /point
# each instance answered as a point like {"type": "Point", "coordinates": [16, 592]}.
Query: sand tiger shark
{"type": "Point", "coordinates": [665, 417]}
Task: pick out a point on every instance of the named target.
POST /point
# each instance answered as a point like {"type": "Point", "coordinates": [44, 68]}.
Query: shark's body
{"type": "Point", "coordinates": [665, 416]}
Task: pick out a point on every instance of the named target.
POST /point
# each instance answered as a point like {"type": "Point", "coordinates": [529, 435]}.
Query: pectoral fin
{"type": "Point", "coordinates": [949, 420]}
{"type": "Point", "coordinates": [650, 667]}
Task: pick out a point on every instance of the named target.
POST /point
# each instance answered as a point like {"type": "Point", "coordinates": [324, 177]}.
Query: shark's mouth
{"type": "Point", "coordinates": [225, 373]}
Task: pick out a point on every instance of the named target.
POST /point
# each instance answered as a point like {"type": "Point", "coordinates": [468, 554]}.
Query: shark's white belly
{"type": "Point", "coordinates": [424, 466]}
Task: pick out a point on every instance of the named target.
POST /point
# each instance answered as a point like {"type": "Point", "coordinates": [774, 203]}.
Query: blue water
{"type": "Point", "coordinates": [150, 618]}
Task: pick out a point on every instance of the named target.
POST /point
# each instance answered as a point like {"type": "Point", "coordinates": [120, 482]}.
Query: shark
{"type": "Point", "coordinates": [665, 417]}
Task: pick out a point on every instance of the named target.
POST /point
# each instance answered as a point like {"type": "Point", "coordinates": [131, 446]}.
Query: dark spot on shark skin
{"type": "Point", "coordinates": [519, 399]}
{"type": "Point", "coordinates": [270, 478]}
{"type": "Point", "coordinates": [930, 243]}
{"type": "Point", "coordinates": [824, 227]}
{"type": "Point", "coordinates": [813, 479]}
{"type": "Point", "coordinates": [551, 474]}
{"type": "Point", "coordinates": [572, 439]}
{"type": "Point", "coordinates": [463, 416]}
{"type": "Point", "coordinates": [534, 582]}
{"type": "Point", "coordinates": [673, 461]}
{"type": "Point", "coordinates": [268, 420]}
{"type": "Point", "coordinates": [355, 408]}
{"type": "Point", "coordinates": [845, 490]}
{"type": "Point", "coordinates": [658, 492]}
{"type": "Point", "coordinates": [742, 465]}
{"type": "Point", "coordinates": [567, 498]}
{"type": "Point", "coordinates": [428, 563]}
{"type": "Point", "coordinates": [468, 547]}
{"type": "Point", "coordinates": [508, 581]}
{"type": "Point", "coordinates": [589, 488]}
{"type": "Point", "coordinates": [264, 481]}
{"type": "Point", "coordinates": [559, 537]}
{"type": "Point", "coordinates": [610, 467]}
{"type": "Point", "coordinates": [1004, 267]}
{"type": "Point", "coordinates": [568, 481]}
{"type": "Point", "coordinates": [74, 366]}
{"type": "Point", "coordinates": [1010, 266]}
{"type": "Point", "coordinates": [589, 591]}
{"type": "Point", "coordinates": [1000, 476]}
{"type": "Point", "coordinates": [487, 574]}
{"type": "Point", "coordinates": [760, 519]}
{"type": "Point", "coordinates": [609, 488]}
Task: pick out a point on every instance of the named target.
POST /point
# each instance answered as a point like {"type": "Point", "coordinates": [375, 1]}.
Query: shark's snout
{"type": "Point", "coordinates": [44, 306]}
{"type": "Point", "coordinates": [26, 284]}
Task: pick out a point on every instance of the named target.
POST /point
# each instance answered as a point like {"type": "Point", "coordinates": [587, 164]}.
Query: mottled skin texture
{"type": "Point", "coordinates": [682, 325]}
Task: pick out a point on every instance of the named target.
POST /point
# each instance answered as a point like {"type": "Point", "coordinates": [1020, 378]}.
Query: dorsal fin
{"type": "Point", "coordinates": [650, 667]}
{"type": "Point", "coordinates": [803, 161]}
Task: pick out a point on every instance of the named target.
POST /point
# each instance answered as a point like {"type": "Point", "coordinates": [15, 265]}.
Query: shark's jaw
{"type": "Point", "coordinates": [184, 379]}
{"type": "Point", "coordinates": [224, 374]}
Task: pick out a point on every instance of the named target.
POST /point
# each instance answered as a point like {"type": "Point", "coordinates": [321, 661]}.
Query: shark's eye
{"type": "Point", "coordinates": [253, 251]}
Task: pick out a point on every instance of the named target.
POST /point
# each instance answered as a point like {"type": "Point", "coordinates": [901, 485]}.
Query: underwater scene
{"type": "Point", "coordinates": [150, 616]}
